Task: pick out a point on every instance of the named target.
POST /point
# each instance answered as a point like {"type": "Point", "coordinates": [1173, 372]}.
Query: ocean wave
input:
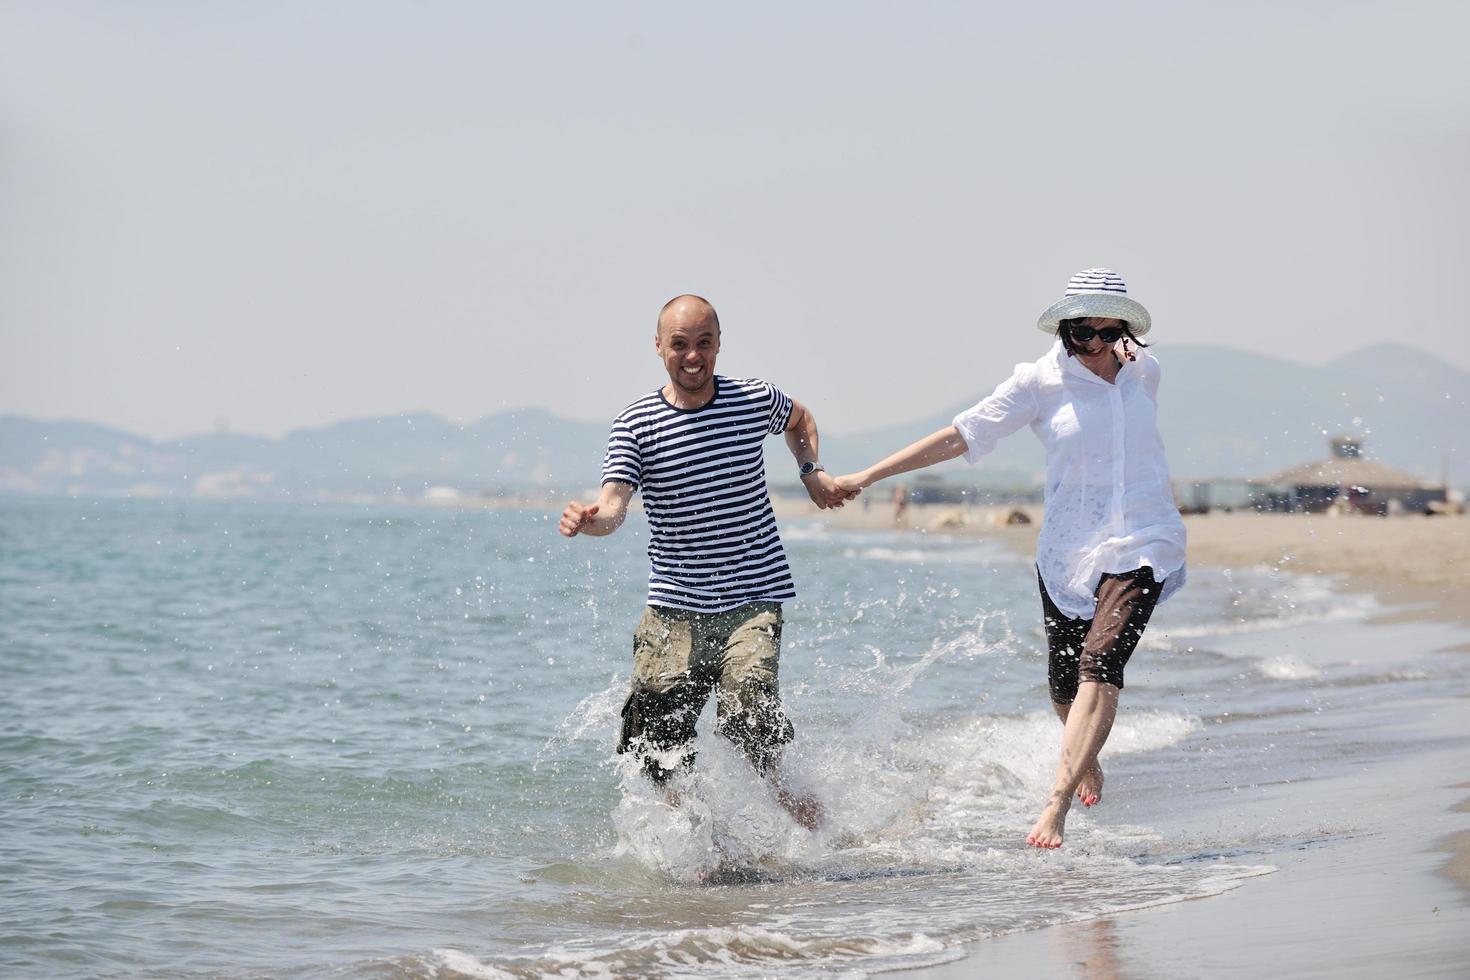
{"type": "Point", "coordinates": [1287, 669]}
{"type": "Point", "coordinates": [1166, 637]}
{"type": "Point", "coordinates": [715, 951]}
{"type": "Point", "coordinates": [1010, 761]}
{"type": "Point", "coordinates": [915, 556]}
{"type": "Point", "coordinates": [806, 532]}
{"type": "Point", "coordinates": [906, 555]}
{"type": "Point", "coordinates": [1259, 599]}
{"type": "Point", "coordinates": [939, 802]}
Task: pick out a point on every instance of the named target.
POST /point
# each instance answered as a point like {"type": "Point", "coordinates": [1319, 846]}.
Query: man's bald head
{"type": "Point", "coordinates": [686, 308]}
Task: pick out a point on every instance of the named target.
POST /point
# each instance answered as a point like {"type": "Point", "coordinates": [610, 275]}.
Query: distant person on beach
{"type": "Point", "coordinates": [1112, 541]}
{"type": "Point", "coordinates": [718, 572]}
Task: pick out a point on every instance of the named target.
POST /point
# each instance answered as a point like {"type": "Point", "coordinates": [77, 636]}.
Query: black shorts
{"type": "Point", "coordinates": [1097, 649]}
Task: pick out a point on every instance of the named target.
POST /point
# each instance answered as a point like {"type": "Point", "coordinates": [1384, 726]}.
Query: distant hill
{"type": "Point", "coordinates": [402, 454]}
{"type": "Point", "coordinates": [1224, 413]}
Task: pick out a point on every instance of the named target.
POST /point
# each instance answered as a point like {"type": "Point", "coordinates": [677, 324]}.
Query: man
{"type": "Point", "coordinates": [718, 572]}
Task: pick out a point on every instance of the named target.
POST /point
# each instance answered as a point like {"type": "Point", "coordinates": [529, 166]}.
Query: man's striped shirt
{"type": "Point", "coordinates": [713, 543]}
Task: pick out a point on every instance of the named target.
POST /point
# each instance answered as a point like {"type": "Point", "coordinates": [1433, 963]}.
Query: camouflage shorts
{"type": "Point", "coordinates": [679, 657]}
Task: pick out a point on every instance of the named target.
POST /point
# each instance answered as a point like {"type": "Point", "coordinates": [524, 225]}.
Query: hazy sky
{"type": "Point", "coordinates": [286, 214]}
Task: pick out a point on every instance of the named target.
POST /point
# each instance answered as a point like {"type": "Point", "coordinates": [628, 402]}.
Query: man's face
{"type": "Point", "coordinates": [687, 341]}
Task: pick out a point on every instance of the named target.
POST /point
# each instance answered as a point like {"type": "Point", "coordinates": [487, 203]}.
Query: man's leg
{"type": "Point", "coordinates": [749, 701]}
{"type": "Point", "coordinates": [668, 691]}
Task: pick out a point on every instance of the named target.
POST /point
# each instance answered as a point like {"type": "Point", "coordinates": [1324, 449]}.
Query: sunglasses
{"type": "Point", "coordinates": [1108, 335]}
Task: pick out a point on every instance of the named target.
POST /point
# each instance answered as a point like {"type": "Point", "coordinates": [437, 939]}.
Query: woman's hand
{"type": "Point", "coordinates": [824, 490]}
{"type": "Point", "coordinates": [853, 482]}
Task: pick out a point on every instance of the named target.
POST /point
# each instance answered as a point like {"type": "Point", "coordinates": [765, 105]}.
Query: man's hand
{"type": "Point", "coordinates": [824, 490]}
{"type": "Point", "coordinates": [576, 518]}
{"type": "Point", "coordinates": [801, 439]}
{"type": "Point", "coordinates": [599, 519]}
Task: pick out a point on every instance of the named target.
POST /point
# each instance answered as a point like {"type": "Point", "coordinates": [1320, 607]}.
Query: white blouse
{"type": "Point", "coordinates": [1109, 506]}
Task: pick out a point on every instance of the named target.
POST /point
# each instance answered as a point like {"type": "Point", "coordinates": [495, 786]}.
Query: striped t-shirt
{"type": "Point", "coordinates": [713, 540]}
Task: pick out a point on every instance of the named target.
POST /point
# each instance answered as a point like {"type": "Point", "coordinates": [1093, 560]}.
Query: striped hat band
{"type": "Point", "coordinates": [1096, 281]}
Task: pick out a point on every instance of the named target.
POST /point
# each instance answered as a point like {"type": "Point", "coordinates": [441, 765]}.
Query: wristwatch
{"type": "Point", "coordinates": [807, 469]}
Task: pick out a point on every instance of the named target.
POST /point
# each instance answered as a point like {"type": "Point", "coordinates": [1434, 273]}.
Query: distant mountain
{"type": "Point", "coordinates": [401, 454]}
{"type": "Point", "coordinates": [1223, 414]}
{"type": "Point", "coordinates": [1245, 415]}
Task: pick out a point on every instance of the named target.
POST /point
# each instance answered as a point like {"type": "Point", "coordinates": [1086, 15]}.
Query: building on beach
{"type": "Point", "coordinates": [1227, 494]}
{"type": "Point", "coordinates": [1346, 482]}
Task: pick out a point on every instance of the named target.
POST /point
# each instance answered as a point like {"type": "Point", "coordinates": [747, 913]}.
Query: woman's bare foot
{"type": "Point", "coordinates": [1089, 791]}
{"type": "Point", "coordinates": [805, 810]}
{"type": "Point", "coordinates": [1049, 827]}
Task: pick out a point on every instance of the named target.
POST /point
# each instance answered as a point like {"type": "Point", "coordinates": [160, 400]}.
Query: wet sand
{"type": "Point", "coordinates": [1361, 888]}
{"type": "Point", "coordinates": [1379, 899]}
{"type": "Point", "coordinates": [1367, 904]}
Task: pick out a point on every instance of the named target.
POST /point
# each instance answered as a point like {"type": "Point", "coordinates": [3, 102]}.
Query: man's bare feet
{"type": "Point", "coordinates": [1089, 791]}
{"type": "Point", "coordinates": [1053, 820]}
{"type": "Point", "coordinates": [805, 810]}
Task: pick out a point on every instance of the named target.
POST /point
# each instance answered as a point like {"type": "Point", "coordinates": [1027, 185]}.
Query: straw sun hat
{"type": "Point", "coordinates": [1096, 292]}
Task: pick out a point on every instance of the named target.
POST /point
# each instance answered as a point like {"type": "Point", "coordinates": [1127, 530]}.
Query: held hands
{"type": "Point", "coordinates": [576, 518]}
{"type": "Point", "coordinates": [825, 491]}
{"type": "Point", "coordinates": [852, 483]}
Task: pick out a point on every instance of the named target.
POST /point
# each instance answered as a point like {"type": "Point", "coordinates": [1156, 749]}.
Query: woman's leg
{"type": "Point", "coordinates": [1089, 790]}
{"type": "Point", "coordinates": [1089, 720]}
{"type": "Point", "coordinates": [1124, 605]}
{"type": "Point", "coordinates": [1064, 639]}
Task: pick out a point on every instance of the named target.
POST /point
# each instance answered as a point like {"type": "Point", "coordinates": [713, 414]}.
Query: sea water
{"type": "Point", "coordinates": [260, 739]}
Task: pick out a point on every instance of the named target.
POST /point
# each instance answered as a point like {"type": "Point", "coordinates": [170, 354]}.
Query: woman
{"type": "Point", "coordinates": [1112, 542]}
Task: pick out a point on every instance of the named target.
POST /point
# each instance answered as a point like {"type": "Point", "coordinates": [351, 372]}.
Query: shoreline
{"type": "Point", "coordinates": [1413, 566]}
{"type": "Point", "coordinates": [1422, 563]}
{"type": "Point", "coordinates": [1362, 887]}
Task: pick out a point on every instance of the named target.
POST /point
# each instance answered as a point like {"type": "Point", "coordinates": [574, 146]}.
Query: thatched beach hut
{"type": "Point", "coordinates": [1345, 481]}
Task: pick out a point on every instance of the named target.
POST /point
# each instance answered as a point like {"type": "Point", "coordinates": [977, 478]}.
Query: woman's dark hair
{"type": "Point", "coordinates": [1064, 331]}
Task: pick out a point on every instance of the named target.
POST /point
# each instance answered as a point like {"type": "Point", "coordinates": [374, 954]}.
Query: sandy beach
{"type": "Point", "coordinates": [1414, 561]}
{"type": "Point", "coordinates": [1373, 871]}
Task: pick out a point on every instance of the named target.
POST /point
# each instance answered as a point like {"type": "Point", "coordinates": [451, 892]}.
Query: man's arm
{"type": "Point", "coordinates": [802, 440]}
{"type": "Point", "coordinates": [601, 518]}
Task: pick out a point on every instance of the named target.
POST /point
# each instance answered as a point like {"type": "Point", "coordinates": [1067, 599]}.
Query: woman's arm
{"type": "Point", "coordinates": [937, 447]}
{"type": "Point", "coordinates": [974, 432]}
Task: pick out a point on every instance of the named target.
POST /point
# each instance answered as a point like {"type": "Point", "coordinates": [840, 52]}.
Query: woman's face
{"type": "Point", "coordinates": [1100, 333]}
